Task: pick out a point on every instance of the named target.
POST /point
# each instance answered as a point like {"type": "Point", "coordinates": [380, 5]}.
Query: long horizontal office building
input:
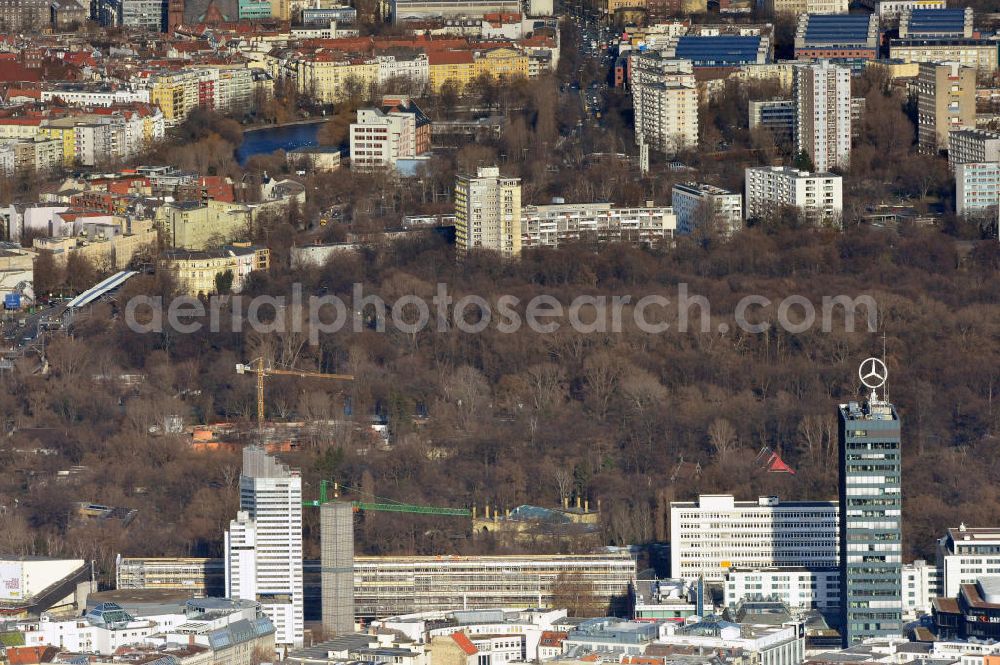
{"type": "Point", "coordinates": [840, 37]}
{"type": "Point", "coordinates": [953, 23]}
{"type": "Point", "coordinates": [388, 586]}
{"type": "Point", "coordinates": [720, 50]}
{"type": "Point", "coordinates": [978, 53]}
{"type": "Point", "coordinates": [716, 533]}
{"type": "Point", "coordinates": [418, 10]}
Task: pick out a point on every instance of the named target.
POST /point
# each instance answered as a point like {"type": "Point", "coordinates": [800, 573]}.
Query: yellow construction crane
{"type": "Point", "coordinates": [257, 367]}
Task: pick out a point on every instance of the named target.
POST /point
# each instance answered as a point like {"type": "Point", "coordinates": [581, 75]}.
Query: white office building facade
{"type": "Point", "coordinates": [716, 533]}
{"type": "Point", "coordinates": [264, 544]}
{"type": "Point", "coordinates": [966, 554]}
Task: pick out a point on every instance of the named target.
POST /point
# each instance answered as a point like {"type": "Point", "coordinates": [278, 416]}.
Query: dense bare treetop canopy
{"type": "Point", "coordinates": [526, 417]}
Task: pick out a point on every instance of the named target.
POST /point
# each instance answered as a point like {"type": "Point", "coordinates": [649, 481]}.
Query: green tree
{"type": "Point", "coordinates": [224, 282]}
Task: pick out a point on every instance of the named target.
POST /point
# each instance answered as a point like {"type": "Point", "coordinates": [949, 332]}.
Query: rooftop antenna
{"type": "Point", "coordinates": [885, 387]}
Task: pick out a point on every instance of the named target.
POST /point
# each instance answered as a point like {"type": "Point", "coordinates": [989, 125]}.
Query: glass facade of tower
{"type": "Point", "coordinates": [870, 520]}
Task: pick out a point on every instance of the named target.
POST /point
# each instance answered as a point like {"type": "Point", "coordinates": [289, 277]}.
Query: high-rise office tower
{"type": "Point", "coordinates": [870, 507]}
{"type": "Point", "coordinates": [337, 566]}
{"type": "Point", "coordinates": [264, 544]}
{"type": "Point", "coordinates": [823, 114]}
{"type": "Point", "coordinates": [488, 212]}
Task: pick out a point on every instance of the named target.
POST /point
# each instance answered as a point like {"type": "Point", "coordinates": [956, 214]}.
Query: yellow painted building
{"type": "Point", "coordinates": [65, 134]}
{"type": "Point", "coordinates": [195, 271]}
{"type": "Point", "coordinates": [462, 67]}
{"type": "Point", "coordinates": [326, 78]}
{"type": "Point", "coordinates": [105, 252]}
{"type": "Point", "coordinates": [176, 94]}
{"type": "Point", "coordinates": [502, 63]}
{"type": "Point", "coordinates": [194, 225]}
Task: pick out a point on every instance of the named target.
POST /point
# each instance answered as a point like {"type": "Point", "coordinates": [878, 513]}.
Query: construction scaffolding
{"type": "Point", "coordinates": [337, 567]}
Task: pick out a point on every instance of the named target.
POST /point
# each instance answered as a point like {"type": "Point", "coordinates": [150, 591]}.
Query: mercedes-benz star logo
{"type": "Point", "coordinates": [873, 373]}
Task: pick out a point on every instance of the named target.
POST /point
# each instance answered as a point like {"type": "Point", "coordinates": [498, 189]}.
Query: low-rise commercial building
{"type": "Point", "coordinates": [766, 643]}
{"type": "Point", "coordinates": [797, 587]}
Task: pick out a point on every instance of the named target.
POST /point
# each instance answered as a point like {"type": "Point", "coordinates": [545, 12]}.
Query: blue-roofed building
{"type": "Point", "coordinates": [949, 23]}
{"type": "Point", "coordinates": [843, 38]}
{"type": "Point", "coordinates": [721, 50]}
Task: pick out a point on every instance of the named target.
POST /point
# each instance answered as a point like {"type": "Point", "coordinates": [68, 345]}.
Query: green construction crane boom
{"type": "Point", "coordinates": [393, 507]}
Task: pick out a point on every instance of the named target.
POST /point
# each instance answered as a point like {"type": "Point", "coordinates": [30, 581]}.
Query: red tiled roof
{"type": "Point", "coordinates": [462, 640]}
{"type": "Point", "coordinates": [449, 57]}
{"type": "Point", "coordinates": [552, 638]}
{"type": "Point", "coordinates": [26, 655]}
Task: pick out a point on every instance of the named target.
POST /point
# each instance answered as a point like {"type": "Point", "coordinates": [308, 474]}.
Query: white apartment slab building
{"type": "Point", "coordinates": [488, 212]}
{"type": "Point", "coordinates": [716, 533]}
{"type": "Point", "coordinates": [965, 554]}
{"type": "Point", "coordinates": [552, 225]}
{"type": "Point", "coordinates": [822, 93]}
{"type": "Point", "coordinates": [970, 146]}
{"type": "Point", "coordinates": [977, 187]}
{"type": "Point", "coordinates": [817, 195]}
{"type": "Point", "coordinates": [695, 202]}
{"type": "Point", "coordinates": [264, 544]}
{"type": "Point", "coordinates": [378, 139]}
{"type": "Point", "coordinates": [665, 101]}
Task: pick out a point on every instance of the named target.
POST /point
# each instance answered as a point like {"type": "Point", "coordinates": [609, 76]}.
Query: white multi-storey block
{"type": "Point", "coordinates": [921, 583]}
{"type": "Point", "coordinates": [977, 187]}
{"type": "Point", "coordinates": [379, 139]}
{"type": "Point", "coordinates": [715, 533]}
{"type": "Point", "coordinates": [264, 544]}
{"type": "Point", "coordinates": [488, 212]}
{"type": "Point", "coordinates": [968, 146]}
{"type": "Point", "coordinates": [817, 195]}
{"type": "Point", "coordinates": [965, 554]}
{"type": "Point", "coordinates": [665, 102]}
{"type": "Point", "coordinates": [693, 202]}
{"type": "Point", "coordinates": [799, 588]}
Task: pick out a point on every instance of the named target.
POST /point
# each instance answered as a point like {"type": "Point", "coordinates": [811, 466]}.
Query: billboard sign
{"type": "Point", "coordinates": [10, 581]}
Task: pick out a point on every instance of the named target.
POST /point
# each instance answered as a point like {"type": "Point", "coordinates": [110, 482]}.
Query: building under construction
{"type": "Point", "coordinates": [393, 585]}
